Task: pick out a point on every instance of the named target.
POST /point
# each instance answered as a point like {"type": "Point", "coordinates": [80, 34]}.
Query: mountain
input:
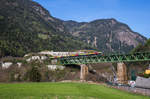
{"type": "Point", "coordinates": [25, 26]}
{"type": "Point", "coordinates": [108, 35]}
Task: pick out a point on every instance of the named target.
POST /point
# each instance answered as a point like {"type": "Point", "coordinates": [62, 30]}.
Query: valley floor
{"type": "Point", "coordinates": [62, 91]}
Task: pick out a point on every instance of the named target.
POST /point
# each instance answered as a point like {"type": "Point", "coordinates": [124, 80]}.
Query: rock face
{"type": "Point", "coordinates": [107, 35]}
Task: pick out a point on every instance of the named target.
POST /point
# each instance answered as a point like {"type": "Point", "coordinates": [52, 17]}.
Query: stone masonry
{"type": "Point", "coordinates": [122, 73]}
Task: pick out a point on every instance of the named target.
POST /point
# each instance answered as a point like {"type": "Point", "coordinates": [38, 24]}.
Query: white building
{"type": "Point", "coordinates": [6, 65]}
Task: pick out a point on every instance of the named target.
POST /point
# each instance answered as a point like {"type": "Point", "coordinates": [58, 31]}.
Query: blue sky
{"type": "Point", "coordinates": [135, 13]}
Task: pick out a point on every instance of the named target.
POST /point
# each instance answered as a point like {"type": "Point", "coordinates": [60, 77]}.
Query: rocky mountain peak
{"type": "Point", "coordinates": [108, 35]}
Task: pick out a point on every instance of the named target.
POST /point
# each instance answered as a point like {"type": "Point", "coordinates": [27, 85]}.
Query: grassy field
{"type": "Point", "coordinates": [62, 91]}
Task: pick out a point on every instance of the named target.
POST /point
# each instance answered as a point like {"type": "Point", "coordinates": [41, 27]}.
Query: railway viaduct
{"type": "Point", "coordinates": [113, 58]}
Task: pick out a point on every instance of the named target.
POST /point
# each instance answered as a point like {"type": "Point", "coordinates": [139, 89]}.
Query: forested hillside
{"type": "Point", "coordinates": [25, 26]}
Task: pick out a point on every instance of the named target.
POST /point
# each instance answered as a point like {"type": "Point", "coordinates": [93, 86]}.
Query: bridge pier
{"type": "Point", "coordinates": [122, 73]}
{"type": "Point", "coordinates": [83, 71]}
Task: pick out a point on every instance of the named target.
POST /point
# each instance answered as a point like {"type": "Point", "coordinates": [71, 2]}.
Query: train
{"type": "Point", "coordinates": [77, 53]}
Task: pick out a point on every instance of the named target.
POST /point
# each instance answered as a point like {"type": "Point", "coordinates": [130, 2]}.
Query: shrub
{"type": "Point", "coordinates": [146, 75]}
{"type": "Point", "coordinates": [34, 74]}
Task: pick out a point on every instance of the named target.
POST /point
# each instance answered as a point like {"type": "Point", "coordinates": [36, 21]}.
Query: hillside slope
{"type": "Point", "coordinates": [107, 35]}
{"type": "Point", "coordinates": [25, 26]}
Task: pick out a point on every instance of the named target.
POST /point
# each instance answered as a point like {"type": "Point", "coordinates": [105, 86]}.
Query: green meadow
{"type": "Point", "coordinates": [62, 91]}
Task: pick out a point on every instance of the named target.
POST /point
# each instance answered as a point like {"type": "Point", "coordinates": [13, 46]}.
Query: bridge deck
{"type": "Point", "coordinates": [142, 56]}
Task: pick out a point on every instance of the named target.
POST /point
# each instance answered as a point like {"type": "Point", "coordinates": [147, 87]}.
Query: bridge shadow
{"type": "Point", "coordinates": [73, 66]}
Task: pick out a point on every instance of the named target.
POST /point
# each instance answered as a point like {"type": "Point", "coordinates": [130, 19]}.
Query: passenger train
{"type": "Point", "coordinates": [79, 53]}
